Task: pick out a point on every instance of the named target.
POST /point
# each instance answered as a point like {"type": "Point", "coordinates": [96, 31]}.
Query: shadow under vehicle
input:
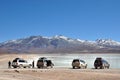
{"type": "Point", "coordinates": [44, 63]}
{"type": "Point", "coordinates": [101, 63]}
{"type": "Point", "coordinates": [21, 63]}
{"type": "Point", "coordinates": [78, 63]}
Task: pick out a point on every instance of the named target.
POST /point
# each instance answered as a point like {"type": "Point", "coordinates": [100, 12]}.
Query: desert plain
{"type": "Point", "coordinates": [55, 73]}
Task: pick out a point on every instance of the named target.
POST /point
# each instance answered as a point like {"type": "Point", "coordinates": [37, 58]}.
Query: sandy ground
{"type": "Point", "coordinates": [57, 73]}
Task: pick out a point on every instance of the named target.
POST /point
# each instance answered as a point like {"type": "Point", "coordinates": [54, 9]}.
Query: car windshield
{"type": "Point", "coordinates": [104, 61]}
{"type": "Point", "coordinates": [40, 60]}
{"type": "Point", "coordinates": [15, 60]}
{"type": "Point", "coordinates": [22, 61]}
{"type": "Point", "coordinates": [82, 61]}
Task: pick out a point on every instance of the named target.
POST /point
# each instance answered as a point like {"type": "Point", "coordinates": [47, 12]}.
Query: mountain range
{"type": "Point", "coordinates": [59, 44]}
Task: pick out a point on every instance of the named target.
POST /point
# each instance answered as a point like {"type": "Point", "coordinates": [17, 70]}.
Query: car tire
{"type": "Point", "coordinates": [38, 66]}
{"type": "Point", "coordinates": [24, 67]}
{"type": "Point", "coordinates": [51, 66]}
{"type": "Point", "coordinates": [101, 67]}
{"type": "Point", "coordinates": [79, 67]}
{"type": "Point", "coordinates": [21, 66]}
{"type": "Point", "coordinates": [14, 67]}
{"type": "Point", "coordinates": [73, 67]}
{"type": "Point", "coordinates": [95, 67]}
{"type": "Point", "coordinates": [29, 66]}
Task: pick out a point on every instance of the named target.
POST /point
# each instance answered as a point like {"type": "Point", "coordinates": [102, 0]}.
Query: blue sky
{"type": "Point", "coordinates": [83, 19]}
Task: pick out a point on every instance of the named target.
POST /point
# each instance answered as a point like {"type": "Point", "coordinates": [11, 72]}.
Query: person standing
{"type": "Point", "coordinates": [9, 64]}
{"type": "Point", "coordinates": [33, 64]}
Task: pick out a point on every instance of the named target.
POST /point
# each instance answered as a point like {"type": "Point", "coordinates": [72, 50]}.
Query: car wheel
{"type": "Point", "coordinates": [14, 67]}
{"type": "Point", "coordinates": [38, 67]}
{"type": "Point", "coordinates": [104, 66]}
{"type": "Point", "coordinates": [24, 67]}
{"type": "Point", "coordinates": [51, 66]}
{"type": "Point", "coordinates": [79, 67]}
{"type": "Point", "coordinates": [95, 67]}
{"type": "Point", "coordinates": [85, 67]}
{"type": "Point", "coordinates": [73, 67]}
{"type": "Point", "coordinates": [21, 66]}
{"type": "Point", "coordinates": [29, 66]}
{"type": "Point", "coordinates": [101, 67]}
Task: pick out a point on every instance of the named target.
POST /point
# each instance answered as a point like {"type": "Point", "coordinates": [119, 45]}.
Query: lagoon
{"type": "Point", "coordinates": [65, 60]}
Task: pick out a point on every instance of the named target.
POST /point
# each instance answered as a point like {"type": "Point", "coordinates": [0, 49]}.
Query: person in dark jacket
{"type": "Point", "coordinates": [33, 64]}
{"type": "Point", "coordinates": [9, 64]}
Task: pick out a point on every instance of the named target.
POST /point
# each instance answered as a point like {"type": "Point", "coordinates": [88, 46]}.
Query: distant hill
{"type": "Point", "coordinates": [59, 44]}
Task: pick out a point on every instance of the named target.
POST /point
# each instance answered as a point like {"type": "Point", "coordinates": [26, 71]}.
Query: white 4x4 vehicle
{"type": "Point", "coordinates": [21, 63]}
{"type": "Point", "coordinates": [78, 63]}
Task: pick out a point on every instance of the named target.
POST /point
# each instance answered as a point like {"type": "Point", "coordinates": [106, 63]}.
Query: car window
{"type": "Point", "coordinates": [40, 60]}
{"type": "Point", "coordinates": [98, 58]}
{"type": "Point", "coordinates": [15, 60]}
{"type": "Point", "coordinates": [82, 61]}
{"type": "Point", "coordinates": [104, 61]}
{"type": "Point", "coordinates": [49, 61]}
{"type": "Point", "coordinates": [22, 61]}
{"type": "Point", "coordinates": [76, 60]}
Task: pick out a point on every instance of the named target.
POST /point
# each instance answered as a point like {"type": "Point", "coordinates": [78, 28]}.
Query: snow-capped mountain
{"type": "Point", "coordinates": [58, 43]}
{"type": "Point", "coordinates": [107, 42]}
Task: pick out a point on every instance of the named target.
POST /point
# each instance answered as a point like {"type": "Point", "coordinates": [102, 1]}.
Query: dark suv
{"type": "Point", "coordinates": [101, 63]}
{"type": "Point", "coordinates": [44, 63]}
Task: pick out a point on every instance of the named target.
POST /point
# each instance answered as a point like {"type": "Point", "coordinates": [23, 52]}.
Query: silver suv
{"type": "Point", "coordinates": [78, 63]}
{"type": "Point", "coordinates": [21, 63]}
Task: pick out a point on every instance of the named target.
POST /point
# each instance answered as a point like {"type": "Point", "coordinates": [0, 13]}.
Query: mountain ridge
{"type": "Point", "coordinates": [59, 44]}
